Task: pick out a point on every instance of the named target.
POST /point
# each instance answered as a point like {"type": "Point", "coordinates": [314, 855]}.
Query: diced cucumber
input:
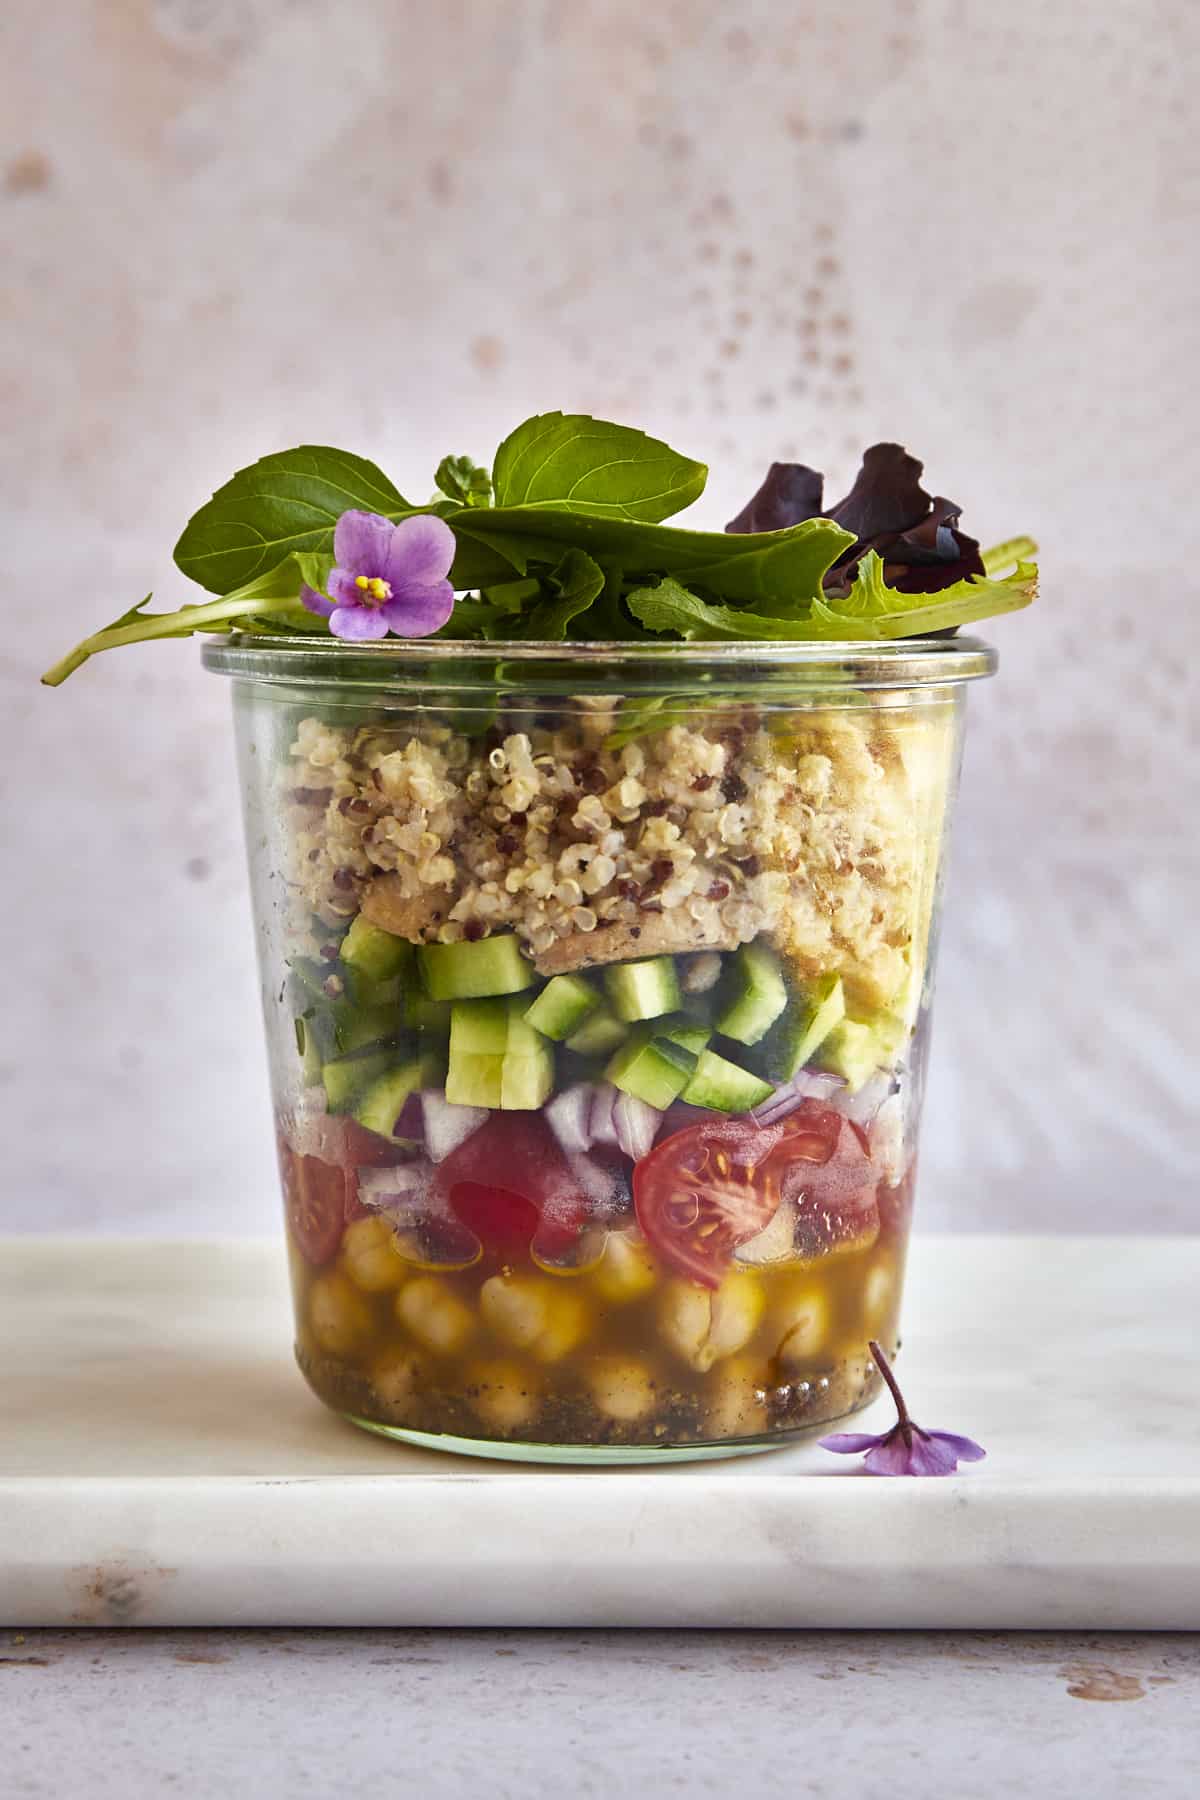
{"type": "Point", "coordinates": [429, 1017]}
{"type": "Point", "coordinates": [380, 1104]}
{"type": "Point", "coordinates": [689, 1034]}
{"type": "Point", "coordinates": [346, 1077]}
{"type": "Point", "coordinates": [355, 1027]}
{"type": "Point", "coordinates": [526, 1081]}
{"type": "Point", "coordinates": [600, 1033]}
{"type": "Point", "coordinates": [465, 971]}
{"type": "Point", "coordinates": [643, 990]}
{"type": "Point", "coordinates": [722, 1086]}
{"type": "Point", "coordinates": [478, 1027]}
{"type": "Point", "coordinates": [756, 997]}
{"type": "Point", "coordinates": [375, 952]}
{"type": "Point", "coordinates": [804, 1027]}
{"type": "Point", "coordinates": [651, 1069]}
{"type": "Point", "coordinates": [474, 1078]}
{"type": "Point", "coordinates": [497, 1059]}
{"type": "Point", "coordinates": [371, 990]}
{"type": "Point", "coordinates": [562, 1006]}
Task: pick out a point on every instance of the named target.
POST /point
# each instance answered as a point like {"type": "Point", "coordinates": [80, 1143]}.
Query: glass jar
{"type": "Point", "coordinates": [597, 984]}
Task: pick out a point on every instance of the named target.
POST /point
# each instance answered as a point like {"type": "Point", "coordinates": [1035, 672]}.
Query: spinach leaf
{"type": "Point", "coordinates": [784, 568]}
{"type": "Point", "coordinates": [672, 607]}
{"type": "Point", "coordinates": [281, 504]}
{"type": "Point", "coordinates": [583, 465]}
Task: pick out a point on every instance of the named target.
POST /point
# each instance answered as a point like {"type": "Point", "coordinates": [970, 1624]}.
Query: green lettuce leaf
{"type": "Point", "coordinates": [463, 481]}
{"type": "Point", "coordinates": [873, 610]}
{"type": "Point", "coordinates": [569, 590]}
{"type": "Point", "coordinates": [571, 461]}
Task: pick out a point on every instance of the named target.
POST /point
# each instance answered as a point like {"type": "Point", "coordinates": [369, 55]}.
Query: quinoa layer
{"type": "Point", "coordinates": [821, 830]}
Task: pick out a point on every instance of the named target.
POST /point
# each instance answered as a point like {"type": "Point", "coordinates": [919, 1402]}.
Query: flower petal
{"type": "Point", "coordinates": [362, 541]}
{"type": "Point", "coordinates": [422, 550]}
{"type": "Point", "coordinates": [342, 589]}
{"type": "Point", "coordinates": [922, 1457]}
{"type": "Point", "coordinates": [849, 1443]}
{"type": "Point", "coordinates": [358, 623]}
{"type": "Point", "coordinates": [316, 603]}
{"type": "Point", "coordinates": [964, 1448]}
{"type": "Point", "coordinates": [419, 610]}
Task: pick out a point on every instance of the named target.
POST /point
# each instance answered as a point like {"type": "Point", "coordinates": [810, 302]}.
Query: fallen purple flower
{"type": "Point", "coordinates": [905, 1449]}
{"type": "Point", "coordinates": [387, 577]}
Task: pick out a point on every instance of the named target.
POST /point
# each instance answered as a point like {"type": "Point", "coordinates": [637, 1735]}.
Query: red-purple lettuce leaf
{"type": "Point", "coordinates": [915, 534]}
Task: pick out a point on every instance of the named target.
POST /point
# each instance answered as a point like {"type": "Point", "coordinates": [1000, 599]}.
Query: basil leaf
{"type": "Point", "coordinates": [283, 503]}
{"type": "Point", "coordinates": [584, 465]}
{"type": "Point", "coordinates": [464, 481]}
{"type": "Point", "coordinates": [573, 585]}
{"type": "Point", "coordinates": [873, 610]}
{"type": "Point", "coordinates": [783, 568]}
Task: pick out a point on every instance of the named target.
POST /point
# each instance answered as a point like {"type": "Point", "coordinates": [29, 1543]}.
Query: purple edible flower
{"type": "Point", "coordinates": [387, 577]}
{"type": "Point", "coordinates": [905, 1449]}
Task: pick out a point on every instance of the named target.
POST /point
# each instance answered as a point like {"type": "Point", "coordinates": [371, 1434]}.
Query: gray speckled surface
{"type": "Point", "coordinates": [831, 1715]}
{"type": "Point", "coordinates": [762, 231]}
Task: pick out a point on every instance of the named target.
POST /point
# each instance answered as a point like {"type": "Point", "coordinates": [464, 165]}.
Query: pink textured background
{"type": "Point", "coordinates": [762, 230]}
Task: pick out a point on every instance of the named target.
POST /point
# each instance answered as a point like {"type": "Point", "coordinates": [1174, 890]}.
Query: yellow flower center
{"type": "Point", "coordinates": [374, 590]}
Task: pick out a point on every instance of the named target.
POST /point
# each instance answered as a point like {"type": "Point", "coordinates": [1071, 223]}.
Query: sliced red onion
{"type": "Point", "coordinates": [381, 1188]}
{"type": "Point", "coordinates": [569, 1116]}
{"type": "Point", "coordinates": [809, 1084]}
{"type": "Point", "coordinates": [885, 1140]}
{"type": "Point", "coordinates": [411, 1122]}
{"type": "Point", "coordinates": [601, 1122]}
{"type": "Point", "coordinates": [598, 1184]}
{"type": "Point", "coordinates": [445, 1125]}
{"type": "Point", "coordinates": [636, 1123]}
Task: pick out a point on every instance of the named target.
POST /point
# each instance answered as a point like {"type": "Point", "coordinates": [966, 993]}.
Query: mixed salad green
{"type": "Point", "coordinates": [564, 538]}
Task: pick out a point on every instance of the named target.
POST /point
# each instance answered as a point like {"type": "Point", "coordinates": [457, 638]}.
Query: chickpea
{"type": "Point", "coordinates": [804, 1327]}
{"type": "Point", "coordinates": [626, 1271]}
{"type": "Point", "coordinates": [622, 1388]}
{"type": "Point", "coordinates": [434, 1314]}
{"type": "Point", "coordinates": [505, 1397]}
{"type": "Point", "coordinates": [339, 1315]}
{"type": "Point", "coordinates": [878, 1293]}
{"type": "Point", "coordinates": [541, 1314]}
{"type": "Point", "coordinates": [704, 1327]}
{"type": "Point", "coordinates": [737, 1405]}
{"type": "Point", "coordinates": [397, 1378]}
{"type": "Point", "coordinates": [370, 1257]}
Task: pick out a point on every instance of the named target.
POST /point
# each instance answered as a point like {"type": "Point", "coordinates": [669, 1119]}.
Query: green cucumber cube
{"type": "Point", "coordinates": [651, 1069]}
{"type": "Point", "coordinates": [380, 1104]}
{"type": "Point", "coordinates": [562, 1006]}
{"type": "Point", "coordinates": [722, 1086]}
{"type": "Point", "coordinates": [852, 1051]}
{"type": "Point", "coordinates": [346, 1077]}
{"type": "Point", "coordinates": [689, 1034]}
{"type": "Point", "coordinates": [465, 971]}
{"type": "Point", "coordinates": [376, 953]}
{"type": "Point", "coordinates": [643, 990]}
{"type": "Point", "coordinates": [600, 1033]}
{"type": "Point", "coordinates": [804, 1027]}
{"type": "Point", "coordinates": [757, 995]}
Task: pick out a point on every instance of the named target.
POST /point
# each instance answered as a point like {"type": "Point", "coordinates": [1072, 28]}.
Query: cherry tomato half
{"type": "Point", "coordinates": [705, 1190]}
{"type": "Point", "coordinates": [712, 1187]}
{"type": "Point", "coordinates": [316, 1195]}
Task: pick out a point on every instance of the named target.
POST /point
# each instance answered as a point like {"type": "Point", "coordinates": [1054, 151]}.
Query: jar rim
{"type": "Point", "coordinates": [473, 663]}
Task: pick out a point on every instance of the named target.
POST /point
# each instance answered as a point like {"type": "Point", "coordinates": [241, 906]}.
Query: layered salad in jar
{"type": "Point", "coordinates": [598, 1022]}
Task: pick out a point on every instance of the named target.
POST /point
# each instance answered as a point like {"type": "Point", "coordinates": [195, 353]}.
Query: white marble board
{"type": "Point", "coordinates": [161, 1463]}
